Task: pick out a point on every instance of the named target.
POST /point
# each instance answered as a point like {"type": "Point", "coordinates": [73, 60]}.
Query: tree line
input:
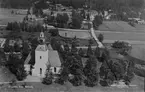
{"type": "Point", "coordinates": [99, 67]}
{"type": "Point", "coordinates": [23, 26]}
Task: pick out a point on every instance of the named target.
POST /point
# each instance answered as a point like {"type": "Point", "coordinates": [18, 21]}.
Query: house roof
{"type": "Point", "coordinates": [54, 59]}
{"type": "Point", "coordinates": [42, 47]}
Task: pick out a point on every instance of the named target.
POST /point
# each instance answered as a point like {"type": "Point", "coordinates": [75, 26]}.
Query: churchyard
{"type": "Point", "coordinates": [84, 66]}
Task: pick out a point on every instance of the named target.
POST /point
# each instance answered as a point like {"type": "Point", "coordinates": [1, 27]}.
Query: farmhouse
{"type": "Point", "coordinates": [44, 56]}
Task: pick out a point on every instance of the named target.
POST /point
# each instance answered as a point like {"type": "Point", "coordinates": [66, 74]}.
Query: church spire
{"type": "Point", "coordinates": [42, 38]}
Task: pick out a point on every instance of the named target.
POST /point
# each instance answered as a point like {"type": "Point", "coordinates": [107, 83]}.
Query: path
{"type": "Point", "coordinates": [100, 45]}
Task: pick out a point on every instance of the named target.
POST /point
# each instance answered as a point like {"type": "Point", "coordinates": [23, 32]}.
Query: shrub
{"type": "Point", "coordinates": [21, 73]}
{"type": "Point", "coordinates": [54, 32]}
{"type": "Point", "coordinates": [122, 47]}
{"type": "Point", "coordinates": [48, 79]}
{"type": "Point", "coordinates": [101, 38]}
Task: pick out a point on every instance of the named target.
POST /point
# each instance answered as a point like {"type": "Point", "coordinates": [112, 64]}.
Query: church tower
{"type": "Point", "coordinates": [41, 57]}
{"type": "Point", "coordinates": [41, 38]}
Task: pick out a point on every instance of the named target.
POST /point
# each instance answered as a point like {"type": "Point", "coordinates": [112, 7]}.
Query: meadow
{"type": "Point", "coordinates": [6, 16]}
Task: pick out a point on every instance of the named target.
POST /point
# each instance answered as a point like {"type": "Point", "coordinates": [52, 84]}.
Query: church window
{"type": "Point", "coordinates": [40, 57]}
{"type": "Point", "coordinates": [40, 70]}
{"type": "Point", "coordinates": [55, 69]}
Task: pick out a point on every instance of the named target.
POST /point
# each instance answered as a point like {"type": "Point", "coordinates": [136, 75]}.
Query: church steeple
{"type": "Point", "coordinates": [42, 38]}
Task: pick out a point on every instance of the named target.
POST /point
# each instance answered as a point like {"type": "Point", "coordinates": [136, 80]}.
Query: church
{"type": "Point", "coordinates": [44, 56]}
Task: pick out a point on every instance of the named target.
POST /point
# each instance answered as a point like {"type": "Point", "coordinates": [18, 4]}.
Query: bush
{"type": "Point", "coordinates": [48, 79]}
{"type": "Point", "coordinates": [101, 38]}
{"type": "Point", "coordinates": [54, 32]}
{"type": "Point", "coordinates": [120, 44]}
{"type": "Point", "coordinates": [60, 81]}
{"type": "Point", "coordinates": [21, 73]}
{"type": "Point", "coordinates": [122, 47]}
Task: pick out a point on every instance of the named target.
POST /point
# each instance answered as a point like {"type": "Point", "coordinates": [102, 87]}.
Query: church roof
{"type": "Point", "coordinates": [54, 59]}
{"type": "Point", "coordinates": [28, 59]}
{"type": "Point", "coordinates": [50, 47]}
{"type": "Point", "coordinates": [42, 47]}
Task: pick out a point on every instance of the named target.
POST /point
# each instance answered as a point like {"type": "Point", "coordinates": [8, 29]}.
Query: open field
{"type": "Point", "coordinates": [6, 16]}
{"type": "Point", "coordinates": [121, 26]}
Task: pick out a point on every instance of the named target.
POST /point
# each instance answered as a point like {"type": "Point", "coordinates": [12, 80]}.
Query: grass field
{"type": "Point", "coordinates": [6, 16]}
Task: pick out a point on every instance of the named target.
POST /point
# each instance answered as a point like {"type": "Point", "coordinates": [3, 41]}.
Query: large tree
{"type": "Point", "coordinates": [97, 21]}
{"type": "Point", "coordinates": [91, 72]}
{"type": "Point", "coordinates": [16, 66]}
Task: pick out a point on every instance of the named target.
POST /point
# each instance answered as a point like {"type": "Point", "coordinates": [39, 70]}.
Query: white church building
{"type": "Point", "coordinates": [44, 56]}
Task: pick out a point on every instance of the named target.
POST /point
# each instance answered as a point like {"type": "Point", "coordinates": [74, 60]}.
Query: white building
{"type": "Point", "coordinates": [44, 56]}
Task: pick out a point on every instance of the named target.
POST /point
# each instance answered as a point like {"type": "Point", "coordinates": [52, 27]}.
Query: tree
{"type": "Point", "coordinates": [97, 21]}
{"type": "Point", "coordinates": [6, 46]}
{"type": "Point", "coordinates": [64, 75]}
{"type": "Point", "coordinates": [66, 48]}
{"type": "Point", "coordinates": [97, 52]}
{"type": "Point", "coordinates": [25, 50]}
{"type": "Point", "coordinates": [91, 41]}
{"type": "Point", "coordinates": [76, 23]}
{"type": "Point", "coordinates": [65, 18]}
{"type": "Point", "coordinates": [17, 48]}
{"type": "Point", "coordinates": [76, 20]}
{"type": "Point", "coordinates": [76, 69]}
{"type": "Point", "coordinates": [21, 73]}
{"type": "Point", "coordinates": [89, 51]}
{"type": "Point", "coordinates": [81, 52]}
{"type": "Point", "coordinates": [59, 19]}
{"type": "Point", "coordinates": [48, 77]}
{"type": "Point", "coordinates": [34, 43]}
{"type": "Point", "coordinates": [54, 32]}
{"type": "Point", "coordinates": [83, 14]}
{"type": "Point", "coordinates": [91, 72]}
{"type": "Point", "coordinates": [101, 38]}
{"type": "Point", "coordinates": [16, 66]}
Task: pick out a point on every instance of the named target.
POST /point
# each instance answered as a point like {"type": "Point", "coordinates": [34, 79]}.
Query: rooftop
{"type": "Point", "coordinates": [54, 59]}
